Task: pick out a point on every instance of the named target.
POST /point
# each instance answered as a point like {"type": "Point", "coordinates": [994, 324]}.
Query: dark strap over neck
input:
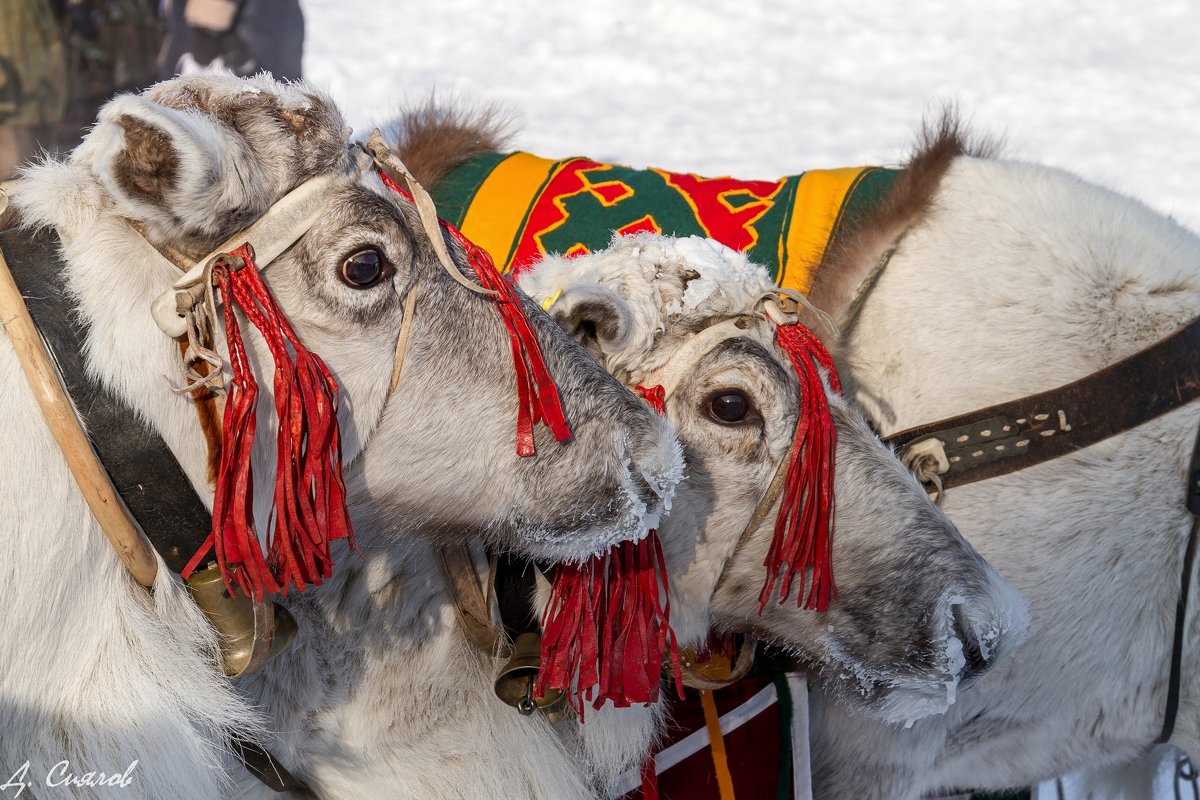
{"type": "Point", "coordinates": [1020, 433]}
{"type": "Point", "coordinates": [142, 469]}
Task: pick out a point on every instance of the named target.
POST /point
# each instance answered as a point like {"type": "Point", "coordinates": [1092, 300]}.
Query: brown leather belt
{"type": "Point", "coordinates": [1020, 433]}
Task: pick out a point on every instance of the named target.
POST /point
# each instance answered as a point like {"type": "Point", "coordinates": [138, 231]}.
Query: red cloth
{"type": "Point", "coordinates": [753, 749]}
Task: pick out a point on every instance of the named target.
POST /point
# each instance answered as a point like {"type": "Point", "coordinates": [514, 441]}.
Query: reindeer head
{"type": "Point", "coordinates": [194, 161]}
{"type": "Point", "coordinates": [917, 610]}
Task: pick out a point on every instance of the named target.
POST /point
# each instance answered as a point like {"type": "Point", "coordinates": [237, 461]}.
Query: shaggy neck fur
{"type": "Point", "coordinates": [145, 681]}
{"type": "Point", "coordinates": [384, 695]}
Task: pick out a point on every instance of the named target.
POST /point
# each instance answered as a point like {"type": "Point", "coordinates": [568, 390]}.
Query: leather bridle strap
{"type": "Point", "coordinates": [471, 600]}
{"type": "Point", "coordinates": [684, 360]}
{"type": "Point", "coordinates": [680, 365]}
{"type": "Point", "coordinates": [1020, 433]}
{"type": "Point", "coordinates": [774, 489]}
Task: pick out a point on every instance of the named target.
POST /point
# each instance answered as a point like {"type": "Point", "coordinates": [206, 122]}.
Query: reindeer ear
{"type": "Point", "coordinates": [595, 317]}
{"type": "Point", "coordinates": [181, 172]}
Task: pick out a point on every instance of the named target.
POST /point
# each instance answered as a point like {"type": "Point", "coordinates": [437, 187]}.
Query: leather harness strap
{"type": "Point", "coordinates": [471, 601]}
{"type": "Point", "coordinates": [143, 470]}
{"type": "Point", "coordinates": [1010, 436]}
{"type": "Point", "coordinates": [1020, 433]}
{"type": "Point", "coordinates": [1181, 603]}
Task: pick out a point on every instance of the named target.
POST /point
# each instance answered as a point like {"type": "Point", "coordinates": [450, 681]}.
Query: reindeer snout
{"type": "Point", "coordinates": [983, 629]}
{"type": "Point", "coordinates": [655, 462]}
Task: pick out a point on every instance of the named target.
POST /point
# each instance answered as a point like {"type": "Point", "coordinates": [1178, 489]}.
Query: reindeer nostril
{"type": "Point", "coordinates": [975, 661]}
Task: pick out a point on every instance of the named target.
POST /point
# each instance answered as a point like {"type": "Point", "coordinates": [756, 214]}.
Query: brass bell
{"type": "Point", "coordinates": [251, 633]}
{"type": "Point", "coordinates": [515, 683]}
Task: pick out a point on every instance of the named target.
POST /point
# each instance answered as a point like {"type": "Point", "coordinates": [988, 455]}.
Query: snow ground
{"type": "Point", "coordinates": [1109, 90]}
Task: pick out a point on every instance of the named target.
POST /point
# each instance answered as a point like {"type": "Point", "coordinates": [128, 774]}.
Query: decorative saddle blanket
{"type": "Point", "coordinates": [518, 207]}
{"type": "Point", "coordinates": [743, 741]}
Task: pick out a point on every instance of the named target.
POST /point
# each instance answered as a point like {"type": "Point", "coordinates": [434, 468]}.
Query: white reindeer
{"type": "Point", "coordinates": [100, 673]}
{"type": "Point", "coordinates": [913, 599]}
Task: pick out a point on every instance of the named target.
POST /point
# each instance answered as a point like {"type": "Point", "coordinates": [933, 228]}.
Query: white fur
{"type": "Point", "coordinates": [102, 673]}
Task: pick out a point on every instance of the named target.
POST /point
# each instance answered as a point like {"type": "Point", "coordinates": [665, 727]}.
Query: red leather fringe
{"type": "Point", "coordinates": [537, 394]}
{"type": "Point", "coordinates": [804, 527]}
{"type": "Point", "coordinates": [309, 507]}
{"type": "Point", "coordinates": [606, 629]}
{"type": "Point", "coordinates": [656, 396]}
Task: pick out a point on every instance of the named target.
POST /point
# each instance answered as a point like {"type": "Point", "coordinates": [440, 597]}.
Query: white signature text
{"type": "Point", "coordinates": [62, 775]}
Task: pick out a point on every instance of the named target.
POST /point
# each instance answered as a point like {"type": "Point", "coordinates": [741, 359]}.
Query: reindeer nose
{"type": "Point", "coordinates": [972, 648]}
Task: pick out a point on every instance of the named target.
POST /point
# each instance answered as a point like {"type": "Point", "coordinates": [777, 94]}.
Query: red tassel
{"type": "Point", "coordinates": [606, 628]}
{"type": "Point", "coordinates": [804, 527]}
{"type": "Point", "coordinates": [537, 394]}
{"type": "Point", "coordinates": [309, 508]}
{"type": "Point", "coordinates": [656, 396]}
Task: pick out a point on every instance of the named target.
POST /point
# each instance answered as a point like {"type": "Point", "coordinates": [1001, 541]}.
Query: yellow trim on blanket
{"type": "Point", "coordinates": [817, 208]}
{"type": "Point", "coordinates": [499, 207]}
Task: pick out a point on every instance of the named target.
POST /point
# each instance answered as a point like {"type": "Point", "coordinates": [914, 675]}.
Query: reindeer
{"type": "Point", "coordinates": [109, 677]}
{"type": "Point", "coordinates": [918, 616]}
{"type": "Point", "coordinates": [1008, 279]}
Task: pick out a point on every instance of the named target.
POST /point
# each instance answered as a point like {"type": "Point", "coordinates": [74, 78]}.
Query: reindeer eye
{"type": "Point", "coordinates": [729, 407]}
{"type": "Point", "coordinates": [364, 268]}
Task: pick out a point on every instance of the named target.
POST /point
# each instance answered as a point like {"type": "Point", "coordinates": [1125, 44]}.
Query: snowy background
{"type": "Point", "coordinates": [1110, 90]}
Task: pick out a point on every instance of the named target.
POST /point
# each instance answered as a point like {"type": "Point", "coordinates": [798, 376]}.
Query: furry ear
{"type": "Point", "coordinates": [596, 317]}
{"type": "Point", "coordinates": [182, 173]}
{"type": "Point", "coordinates": [199, 158]}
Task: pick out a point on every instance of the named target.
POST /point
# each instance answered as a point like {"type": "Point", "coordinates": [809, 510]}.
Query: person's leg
{"type": "Point", "coordinates": [274, 31]}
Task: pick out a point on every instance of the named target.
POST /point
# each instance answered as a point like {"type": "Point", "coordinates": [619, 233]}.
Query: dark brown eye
{"type": "Point", "coordinates": [729, 407]}
{"type": "Point", "coordinates": [364, 268]}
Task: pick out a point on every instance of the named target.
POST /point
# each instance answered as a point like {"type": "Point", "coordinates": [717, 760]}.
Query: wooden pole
{"type": "Point", "coordinates": [123, 534]}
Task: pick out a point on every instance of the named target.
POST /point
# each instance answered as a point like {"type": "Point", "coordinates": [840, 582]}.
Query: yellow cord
{"type": "Point", "coordinates": [716, 741]}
